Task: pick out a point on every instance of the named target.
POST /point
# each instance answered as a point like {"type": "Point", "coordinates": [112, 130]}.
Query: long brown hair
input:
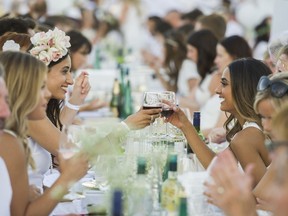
{"type": "Point", "coordinates": [244, 74]}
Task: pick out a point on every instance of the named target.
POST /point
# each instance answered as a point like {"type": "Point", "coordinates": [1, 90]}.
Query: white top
{"type": "Point", "coordinates": [202, 93]}
{"type": "Point", "coordinates": [187, 71]}
{"type": "Point", "coordinates": [5, 189]}
{"type": "Point", "coordinates": [251, 124]}
{"type": "Point", "coordinates": [42, 159]}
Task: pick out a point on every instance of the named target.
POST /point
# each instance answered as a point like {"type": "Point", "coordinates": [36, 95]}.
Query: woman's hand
{"type": "Point", "coordinates": [75, 167]}
{"type": "Point", "coordinates": [142, 118]}
{"type": "Point", "coordinates": [178, 118]}
{"type": "Point", "coordinates": [230, 189]}
{"type": "Point", "coordinates": [80, 90]}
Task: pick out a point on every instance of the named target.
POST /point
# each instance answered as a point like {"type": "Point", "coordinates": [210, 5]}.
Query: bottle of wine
{"type": "Point", "coordinates": [197, 126]}
{"type": "Point", "coordinates": [171, 189]}
{"type": "Point", "coordinates": [183, 209]}
{"type": "Point", "coordinates": [140, 192]}
{"type": "Point", "coordinates": [117, 203]}
{"type": "Point", "coordinates": [115, 100]}
{"type": "Point", "coordinates": [128, 101]}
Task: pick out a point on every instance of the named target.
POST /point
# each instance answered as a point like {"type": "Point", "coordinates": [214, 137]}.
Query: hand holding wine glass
{"type": "Point", "coordinates": [169, 96]}
{"type": "Point", "coordinates": [167, 110]}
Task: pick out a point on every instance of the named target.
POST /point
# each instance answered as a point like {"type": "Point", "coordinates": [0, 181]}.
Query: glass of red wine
{"type": "Point", "coordinates": [151, 100]}
{"type": "Point", "coordinates": [167, 110]}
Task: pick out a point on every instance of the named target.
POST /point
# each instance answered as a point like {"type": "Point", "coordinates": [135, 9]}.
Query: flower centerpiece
{"type": "Point", "coordinates": [50, 46]}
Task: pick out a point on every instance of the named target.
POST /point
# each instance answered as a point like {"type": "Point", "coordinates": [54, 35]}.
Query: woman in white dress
{"type": "Point", "coordinates": [5, 185]}
{"type": "Point", "coordinates": [25, 77]}
{"type": "Point", "coordinates": [236, 92]}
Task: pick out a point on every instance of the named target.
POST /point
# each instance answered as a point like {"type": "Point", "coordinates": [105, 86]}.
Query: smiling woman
{"type": "Point", "coordinates": [237, 91]}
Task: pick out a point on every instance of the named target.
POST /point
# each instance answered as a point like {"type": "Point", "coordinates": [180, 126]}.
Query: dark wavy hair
{"type": "Point", "coordinates": [54, 105]}
{"type": "Point", "coordinates": [205, 42]}
{"type": "Point", "coordinates": [244, 74]}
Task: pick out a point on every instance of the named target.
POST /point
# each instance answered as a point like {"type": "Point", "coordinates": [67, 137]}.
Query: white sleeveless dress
{"type": "Point", "coordinates": [5, 189]}
{"type": "Point", "coordinates": [42, 159]}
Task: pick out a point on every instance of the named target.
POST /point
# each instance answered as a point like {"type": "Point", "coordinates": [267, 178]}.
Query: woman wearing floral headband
{"type": "Point", "coordinates": [52, 49]}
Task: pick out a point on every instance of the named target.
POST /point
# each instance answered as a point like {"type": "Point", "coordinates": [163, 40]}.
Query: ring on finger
{"type": "Point", "coordinates": [220, 190]}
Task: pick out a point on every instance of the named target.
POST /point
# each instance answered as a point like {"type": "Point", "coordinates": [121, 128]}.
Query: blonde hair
{"type": "Point", "coordinates": [24, 76]}
{"type": "Point", "coordinates": [266, 94]}
{"type": "Point", "coordinates": [280, 121]}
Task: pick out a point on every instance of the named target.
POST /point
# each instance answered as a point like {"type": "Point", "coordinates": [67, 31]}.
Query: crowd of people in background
{"type": "Point", "coordinates": [239, 83]}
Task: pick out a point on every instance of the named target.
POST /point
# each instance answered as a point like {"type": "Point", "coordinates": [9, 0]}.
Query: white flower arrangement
{"type": "Point", "coordinates": [10, 45]}
{"type": "Point", "coordinates": [50, 46]}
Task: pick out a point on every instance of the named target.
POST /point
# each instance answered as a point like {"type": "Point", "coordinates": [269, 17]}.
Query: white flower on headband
{"type": "Point", "coordinates": [10, 45]}
{"type": "Point", "coordinates": [50, 46]}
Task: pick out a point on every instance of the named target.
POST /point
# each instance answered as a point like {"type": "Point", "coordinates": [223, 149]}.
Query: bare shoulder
{"type": "Point", "coordinates": [11, 149]}
{"type": "Point", "coordinates": [249, 136]}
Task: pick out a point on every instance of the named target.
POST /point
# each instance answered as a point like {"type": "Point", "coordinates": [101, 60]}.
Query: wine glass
{"type": "Point", "coordinates": [69, 143]}
{"type": "Point", "coordinates": [151, 100]}
{"type": "Point", "coordinates": [167, 110]}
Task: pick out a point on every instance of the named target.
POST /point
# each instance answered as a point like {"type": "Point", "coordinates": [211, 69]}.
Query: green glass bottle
{"type": "Point", "coordinates": [183, 208]}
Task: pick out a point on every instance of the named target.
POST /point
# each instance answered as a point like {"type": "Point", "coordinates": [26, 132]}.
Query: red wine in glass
{"type": "Point", "coordinates": [167, 112]}
{"type": "Point", "coordinates": [145, 107]}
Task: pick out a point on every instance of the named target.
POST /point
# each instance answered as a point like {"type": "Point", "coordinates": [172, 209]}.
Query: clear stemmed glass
{"type": "Point", "coordinates": [69, 145]}
{"type": "Point", "coordinates": [167, 110]}
{"type": "Point", "coordinates": [151, 100]}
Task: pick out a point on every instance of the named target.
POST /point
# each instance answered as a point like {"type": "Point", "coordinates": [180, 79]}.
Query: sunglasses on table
{"type": "Point", "coordinates": [277, 88]}
{"type": "Point", "coordinates": [273, 145]}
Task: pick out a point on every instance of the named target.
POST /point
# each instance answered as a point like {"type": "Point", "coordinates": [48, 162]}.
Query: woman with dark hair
{"type": "Point", "coordinates": [175, 54]}
{"type": "Point", "coordinates": [228, 50]}
{"type": "Point", "coordinates": [243, 126]}
{"type": "Point", "coordinates": [201, 49]}
{"type": "Point", "coordinates": [46, 131]}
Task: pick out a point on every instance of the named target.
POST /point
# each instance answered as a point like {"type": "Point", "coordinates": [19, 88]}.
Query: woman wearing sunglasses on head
{"type": "Point", "coordinates": [271, 96]}
{"type": "Point", "coordinates": [236, 198]}
{"type": "Point", "coordinates": [243, 127]}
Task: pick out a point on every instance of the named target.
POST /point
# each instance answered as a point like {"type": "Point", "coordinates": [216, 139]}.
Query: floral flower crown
{"type": "Point", "coordinates": [50, 46]}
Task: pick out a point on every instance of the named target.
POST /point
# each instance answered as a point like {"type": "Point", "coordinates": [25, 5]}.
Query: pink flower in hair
{"type": "Point", "coordinates": [50, 46]}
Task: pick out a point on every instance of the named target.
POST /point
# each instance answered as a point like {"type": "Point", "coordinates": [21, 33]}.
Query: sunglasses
{"type": "Point", "coordinates": [272, 145]}
{"type": "Point", "coordinates": [277, 88]}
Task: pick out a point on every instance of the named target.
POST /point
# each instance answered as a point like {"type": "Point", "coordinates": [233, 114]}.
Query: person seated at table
{"type": "Point", "coordinates": [231, 189]}
{"type": "Point", "coordinates": [25, 74]}
{"type": "Point", "coordinates": [237, 91]}
{"type": "Point", "coordinates": [5, 186]}
{"type": "Point", "coordinates": [58, 80]}
{"type": "Point", "coordinates": [201, 49]}
{"type": "Point", "coordinates": [228, 50]}
{"type": "Point", "coordinates": [175, 65]}
{"type": "Point", "coordinates": [45, 133]}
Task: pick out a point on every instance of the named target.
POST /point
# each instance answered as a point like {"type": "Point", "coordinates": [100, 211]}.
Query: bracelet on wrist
{"type": "Point", "coordinates": [72, 106]}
